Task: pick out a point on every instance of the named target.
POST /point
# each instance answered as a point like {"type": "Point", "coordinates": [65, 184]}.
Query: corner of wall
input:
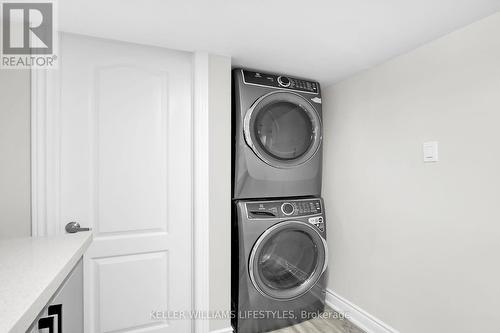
{"type": "Point", "coordinates": [219, 110]}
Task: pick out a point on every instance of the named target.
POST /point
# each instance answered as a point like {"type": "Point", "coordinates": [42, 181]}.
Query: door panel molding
{"type": "Point", "coordinates": [150, 172]}
{"type": "Point", "coordinates": [108, 271]}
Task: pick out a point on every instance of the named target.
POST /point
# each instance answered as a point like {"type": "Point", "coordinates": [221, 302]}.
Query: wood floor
{"type": "Point", "coordinates": [330, 322]}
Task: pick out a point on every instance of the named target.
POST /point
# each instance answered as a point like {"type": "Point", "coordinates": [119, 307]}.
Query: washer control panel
{"type": "Point", "coordinates": [280, 81]}
{"type": "Point", "coordinates": [284, 209]}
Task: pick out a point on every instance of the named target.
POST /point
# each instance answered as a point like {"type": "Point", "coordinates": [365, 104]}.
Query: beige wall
{"type": "Point", "coordinates": [15, 218]}
{"type": "Point", "coordinates": [220, 187]}
{"type": "Point", "coordinates": [417, 244]}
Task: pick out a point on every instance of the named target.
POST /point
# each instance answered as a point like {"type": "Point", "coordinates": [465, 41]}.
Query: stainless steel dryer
{"type": "Point", "coordinates": [279, 263]}
{"type": "Point", "coordinates": [278, 136]}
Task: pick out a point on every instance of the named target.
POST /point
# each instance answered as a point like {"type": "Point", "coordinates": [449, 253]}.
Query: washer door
{"type": "Point", "coordinates": [283, 129]}
{"type": "Point", "coordinates": [287, 260]}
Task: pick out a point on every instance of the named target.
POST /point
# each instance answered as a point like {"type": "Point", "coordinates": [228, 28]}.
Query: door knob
{"type": "Point", "coordinates": [73, 227]}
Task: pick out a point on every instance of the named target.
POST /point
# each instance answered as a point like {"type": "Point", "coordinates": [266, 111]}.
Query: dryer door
{"type": "Point", "coordinates": [283, 129]}
{"type": "Point", "coordinates": [287, 260]}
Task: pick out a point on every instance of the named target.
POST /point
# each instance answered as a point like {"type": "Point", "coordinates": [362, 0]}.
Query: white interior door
{"type": "Point", "coordinates": [126, 166]}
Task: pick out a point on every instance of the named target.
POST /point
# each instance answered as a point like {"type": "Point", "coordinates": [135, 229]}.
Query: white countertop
{"type": "Point", "coordinates": [31, 270]}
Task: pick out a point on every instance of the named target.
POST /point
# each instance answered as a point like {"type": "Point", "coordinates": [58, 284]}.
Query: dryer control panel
{"type": "Point", "coordinates": [280, 81]}
{"type": "Point", "coordinates": [284, 209]}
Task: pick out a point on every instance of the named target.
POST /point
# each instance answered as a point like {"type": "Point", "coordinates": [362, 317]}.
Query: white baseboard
{"type": "Point", "coordinates": [223, 330]}
{"type": "Point", "coordinates": [356, 315]}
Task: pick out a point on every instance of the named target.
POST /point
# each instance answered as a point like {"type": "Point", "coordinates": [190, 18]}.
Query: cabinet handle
{"type": "Point", "coordinates": [46, 322]}
{"type": "Point", "coordinates": [56, 310]}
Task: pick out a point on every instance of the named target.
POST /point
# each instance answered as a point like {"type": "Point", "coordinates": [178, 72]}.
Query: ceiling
{"type": "Point", "coordinates": [325, 40]}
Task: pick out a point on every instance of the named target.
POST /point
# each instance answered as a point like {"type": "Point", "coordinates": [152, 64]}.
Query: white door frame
{"type": "Point", "coordinates": [45, 170]}
{"type": "Point", "coordinates": [45, 153]}
{"type": "Point", "coordinates": [201, 188]}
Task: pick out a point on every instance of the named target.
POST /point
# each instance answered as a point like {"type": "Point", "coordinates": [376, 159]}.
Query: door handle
{"type": "Point", "coordinates": [73, 227]}
{"type": "Point", "coordinates": [262, 213]}
{"type": "Point", "coordinates": [56, 310]}
{"type": "Point", "coordinates": [46, 322]}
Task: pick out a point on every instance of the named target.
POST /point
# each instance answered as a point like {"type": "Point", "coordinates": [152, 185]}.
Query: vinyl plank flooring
{"type": "Point", "coordinates": [329, 322]}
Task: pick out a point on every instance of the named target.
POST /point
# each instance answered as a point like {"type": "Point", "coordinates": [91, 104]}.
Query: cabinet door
{"type": "Point", "coordinates": [67, 305]}
{"type": "Point", "coordinates": [65, 308]}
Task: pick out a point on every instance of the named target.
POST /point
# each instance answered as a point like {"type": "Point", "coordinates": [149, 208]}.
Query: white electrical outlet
{"type": "Point", "coordinates": [430, 151]}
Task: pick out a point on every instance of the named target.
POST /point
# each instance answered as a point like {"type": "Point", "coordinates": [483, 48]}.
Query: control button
{"type": "Point", "coordinates": [287, 208]}
{"type": "Point", "coordinates": [284, 81]}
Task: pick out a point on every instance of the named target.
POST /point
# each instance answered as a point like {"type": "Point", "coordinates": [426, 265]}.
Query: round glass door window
{"type": "Point", "coordinates": [287, 260]}
{"type": "Point", "coordinates": [283, 129]}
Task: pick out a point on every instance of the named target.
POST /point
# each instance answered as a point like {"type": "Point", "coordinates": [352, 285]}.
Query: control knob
{"type": "Point", "coordinates": [284, 81]}
{"type": "Point", "coordinates": [287, 208]}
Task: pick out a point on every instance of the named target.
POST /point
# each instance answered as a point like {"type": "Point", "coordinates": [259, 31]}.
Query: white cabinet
{"type": "Point", "coordinates": [64, 312]}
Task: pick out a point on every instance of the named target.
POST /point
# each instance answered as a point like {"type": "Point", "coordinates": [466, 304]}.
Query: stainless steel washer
{"type": "Point", "coordinates": [280, 258]}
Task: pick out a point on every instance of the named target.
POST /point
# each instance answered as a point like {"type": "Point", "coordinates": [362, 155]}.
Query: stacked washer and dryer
{"type": "Point", "coordinates": [279, 250]}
